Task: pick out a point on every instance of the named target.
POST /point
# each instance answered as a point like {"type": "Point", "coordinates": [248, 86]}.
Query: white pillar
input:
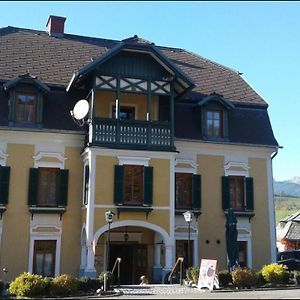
{"type": "Point", "coordinates": [169, 257]}
{"type": "Point", "coordinates": [83, 257]}
{"type": "Point", "coordinates": [90, 270]}
{"type": "Point", "coordinates": [157, 256]}
{"type": "Point", "coordinates": [90, 265]}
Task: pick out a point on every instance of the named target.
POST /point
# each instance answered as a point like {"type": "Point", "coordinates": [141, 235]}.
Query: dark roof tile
{"type": "Point", "coordinates": [54, 60]}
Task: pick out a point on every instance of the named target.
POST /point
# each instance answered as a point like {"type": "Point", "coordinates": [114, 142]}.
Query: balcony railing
{"type": "Point", "coordinates": [132, 134]}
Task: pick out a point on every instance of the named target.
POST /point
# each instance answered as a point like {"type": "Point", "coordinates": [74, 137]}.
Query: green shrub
{"type": "Point", "coordinates": [64, 285]}
{"type": "Point", "coordinates": [1, 287]}
{"type": "Point", "coordinates": [243, 277]}
{"type": "Point", "coordinates": [110, 279]}
{"type": "Point", "coordinates": [276, 273]}
{"type": "Point", "coordinates": [29, 285]}
{"type": "Point", "coordinates": [192, 274]}
{"type": "Point", "coordinates": [87, 284]}
{"type": "Point", "coordinates": [297, 277]}
{"type": "Point", "coordinates": [261, 281]}
{"type": "Point", "coordinates": [224, 278]}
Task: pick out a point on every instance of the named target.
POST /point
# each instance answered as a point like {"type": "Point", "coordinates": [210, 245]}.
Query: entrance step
{"type": "Point", "coordinates": [156, 289]}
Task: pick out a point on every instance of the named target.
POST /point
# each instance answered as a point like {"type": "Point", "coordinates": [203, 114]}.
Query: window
{"type": "Point", "coordinates": [187, 191]}
{"type": "Point", "coordinates": [133, 185]}
{"type": "Point", "coordinates": [25, 111]}
{"type": "Point", "coordinates": [48, 187]}
{"type": "Point", "coordinates": [126, 112]}
{"type": "Point", "coordinates": [242, 254]}
{"type": "Point", "coordinates": [214, 123]}
{"type": "Point", "coordinates": [237, 194]}
{"type": "Point", "coordinates": [183, 193]}
{"type": "Point", "coordinates": [44, 258]}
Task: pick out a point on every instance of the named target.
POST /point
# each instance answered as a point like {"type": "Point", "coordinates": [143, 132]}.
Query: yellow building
{"type": "Point", "coordinates": [167, 131]}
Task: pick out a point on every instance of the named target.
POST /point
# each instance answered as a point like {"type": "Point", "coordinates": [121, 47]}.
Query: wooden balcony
{"type": "Point", "coordinates": [132, 134]}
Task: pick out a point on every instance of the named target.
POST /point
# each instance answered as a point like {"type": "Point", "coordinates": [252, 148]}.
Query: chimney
{"type": "Point", "coordinates": [55, 26]}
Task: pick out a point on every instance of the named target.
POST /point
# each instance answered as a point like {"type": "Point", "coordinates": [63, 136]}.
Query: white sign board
{"type": "Point", "coordinates": [207, 274]}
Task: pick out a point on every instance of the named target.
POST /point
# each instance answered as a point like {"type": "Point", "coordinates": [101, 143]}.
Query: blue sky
{"type": "Point", "coordinates": [259, 39]}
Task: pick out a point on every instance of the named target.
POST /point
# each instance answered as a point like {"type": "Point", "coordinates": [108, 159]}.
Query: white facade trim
{"type": "Point", "coordinates": [98, 151]}
{"type": "Point", "coordinates": [192, 169]}
{"type": "Point", "coordinates": [41, 154]}
{"type": "Point", "coordinates": [133, 160]}
{"type": "Point", "coordinates": [155, 228]}
{"type": "Point", "coordinates": [57, 137]}
{"type": "Point", "coordinates": [45, 222]}
{"type": "Point", "coordinates": [236, 164]}
{"type": "Point", "coordinates": [3, 158]}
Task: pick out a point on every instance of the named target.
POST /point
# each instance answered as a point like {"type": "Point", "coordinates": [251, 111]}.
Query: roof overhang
{"type": "Point", "coordinates": [217, 98]}
{"type": "Point", "coordinates": [182, 82]}
{"type": "Point", "coordinates": [29, 79]}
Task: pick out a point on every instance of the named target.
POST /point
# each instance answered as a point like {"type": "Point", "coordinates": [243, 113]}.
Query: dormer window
{"type": "Point", "coordinates": [214, 114]}
{"type": "Point", "coordinates": [26, 97]}
{"type": "Point", "coordinates": [214, 123]}
{"type": "Point", "coordinates": [25, 111]}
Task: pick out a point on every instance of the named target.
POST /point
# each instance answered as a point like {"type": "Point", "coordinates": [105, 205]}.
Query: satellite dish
{"type": "Point", "coordinates": [80, 109]}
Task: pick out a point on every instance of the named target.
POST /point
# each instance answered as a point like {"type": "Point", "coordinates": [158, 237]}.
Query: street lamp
{"type": "Point", "coordinates": [188, 216]}
{"type": "Point", "coordinates": [109, 216]}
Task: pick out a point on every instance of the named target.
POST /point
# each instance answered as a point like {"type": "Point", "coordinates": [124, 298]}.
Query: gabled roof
{"type": "Point", "coordinates": [54, 60]}
{"type": "Point", "coordinates": [26, 78]}
{"type": "Point", "coordinates": [139, 45]}
{"type": "Point", "coordinates": [217, 98]}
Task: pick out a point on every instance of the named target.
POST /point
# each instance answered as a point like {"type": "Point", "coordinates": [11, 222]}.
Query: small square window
{"type": "Point", "coordinates": [126, 112]}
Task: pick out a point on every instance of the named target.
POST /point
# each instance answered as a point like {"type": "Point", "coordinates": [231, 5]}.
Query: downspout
{"type": "Point", "coordinates": [272, 221]}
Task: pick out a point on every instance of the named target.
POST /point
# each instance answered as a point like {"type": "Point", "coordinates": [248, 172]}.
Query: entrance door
{"type": "Point", "coordinates": [133, 263]}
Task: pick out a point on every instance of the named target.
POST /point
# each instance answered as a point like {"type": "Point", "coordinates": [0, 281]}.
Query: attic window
{"type": "Point", "coordinates": [25, 111]}
{"type": "Point", "coordinates": [214, 120]}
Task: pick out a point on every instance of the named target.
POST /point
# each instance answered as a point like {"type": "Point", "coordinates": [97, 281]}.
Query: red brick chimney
{"type": "Point", "coordinates": [55, 26]}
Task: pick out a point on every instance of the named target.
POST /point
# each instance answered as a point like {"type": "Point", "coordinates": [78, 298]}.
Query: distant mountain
{"type": "Point", "coordinates": [288, 187]}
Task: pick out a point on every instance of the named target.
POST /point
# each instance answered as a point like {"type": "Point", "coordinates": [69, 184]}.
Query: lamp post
{"type": "Point", "coordinates": [109, 216]}
{"type": "Point", "coordinates": [188, 215]}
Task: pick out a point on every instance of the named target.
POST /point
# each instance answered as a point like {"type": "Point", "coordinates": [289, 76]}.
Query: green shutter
{"type": "Point", "coordinates": [249, 193]}
{"type": "Point", "coordinates": [4, 184]}
{"type": "Point", "coordinates": [148, 185]}
{"type": "Point", "coordinates": [197, 191]}
{"type": "Point", "coordinates": [33, 186]}
{"type": "Point", "coordinates": [64, 179]}
{"type": "Point", "coordinates": [225, 192]}
{"type": "Point", "coordinates": [119, 173]}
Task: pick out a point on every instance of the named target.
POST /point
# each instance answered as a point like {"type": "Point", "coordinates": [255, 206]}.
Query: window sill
{"type": "Point", "coordinates": [47, 210]}
{"type": "Point", "coordinates": [143, 209]}
{"type": "Point", "coordinates": [243, 213]}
